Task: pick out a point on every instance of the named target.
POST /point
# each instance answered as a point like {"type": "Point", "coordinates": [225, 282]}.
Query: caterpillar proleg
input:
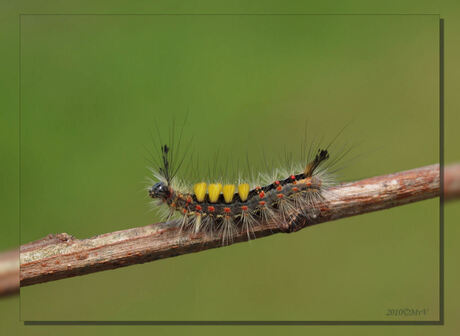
{"type": "Point", "coordinates": [225, 209]}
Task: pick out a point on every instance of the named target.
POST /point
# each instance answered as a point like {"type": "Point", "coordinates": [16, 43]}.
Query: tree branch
{"type": "Point", "coordinates": [59, 256]}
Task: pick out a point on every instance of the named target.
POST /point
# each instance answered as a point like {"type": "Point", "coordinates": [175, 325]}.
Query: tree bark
{"type": "Point", "coordinates": [59, 256]}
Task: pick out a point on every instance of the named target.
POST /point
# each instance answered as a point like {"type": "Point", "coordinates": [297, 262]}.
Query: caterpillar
{"type": "Point", "coordinates": [224, 210]}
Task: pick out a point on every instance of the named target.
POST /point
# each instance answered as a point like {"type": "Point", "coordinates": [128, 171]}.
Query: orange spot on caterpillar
{"type": "Point", "coordinates": [184, 211]}
{"type": "Point", "coordinates": [258, 188]}
{"type": "Point", "coordinates": [198, 207]}
{"type": "Point", "coordinates": [279, 188]}
{"type": "Point", "coordinates": [308, 182]}
{"type": "Point", "coordinates": [280, 195]}
{"type": "Point", "coordinates": [277, 182]}
{"type": "Point", "coordinates": [227, 210]}
{"type": "Point", "coordinates": [211, 208]}
{"type": "Point", "coordinates": [262, 203]}
{"type": "Point", "coordinates": [189, 200]}
{"type": "Point", "coordinates": [293, 177]}
{"type": "Point", "coordinates": [295, 189]}
{"type": "Point", "coordinates": [262, 194]}
{"type": "Point", "coordinates": [244, 208]}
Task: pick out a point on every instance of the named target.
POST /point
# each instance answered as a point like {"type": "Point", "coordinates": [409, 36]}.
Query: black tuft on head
{"type": "Point", "coordinates": [159, 190]}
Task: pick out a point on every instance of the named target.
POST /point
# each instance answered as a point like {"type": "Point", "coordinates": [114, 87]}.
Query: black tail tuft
{"type": "Point", "coordinates": [320, 157]}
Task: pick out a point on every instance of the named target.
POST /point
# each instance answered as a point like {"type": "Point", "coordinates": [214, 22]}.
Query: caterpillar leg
{"type": "Point", "coordinates": [287, 212]}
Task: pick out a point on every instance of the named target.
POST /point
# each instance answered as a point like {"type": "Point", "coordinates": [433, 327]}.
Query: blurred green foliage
{"type": "Point", "coordinates": [93, 88]}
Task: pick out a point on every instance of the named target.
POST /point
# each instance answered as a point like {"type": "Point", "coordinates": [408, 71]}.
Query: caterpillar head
{"type": "Point", "coordinates": [159, 190]}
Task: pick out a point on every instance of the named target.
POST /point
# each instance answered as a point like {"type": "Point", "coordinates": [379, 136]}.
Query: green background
{"type": "Point", "coordinates": [94, 86]}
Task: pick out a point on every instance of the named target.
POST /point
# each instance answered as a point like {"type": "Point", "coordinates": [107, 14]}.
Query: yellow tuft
{"type": "Point", "coordinates": [200, 191]}
{"type": "Point", "coordinates": [228, 191]}
{"type": "Point", "coordinates": [243, 191]}
{"type": "Point", "coordinates": [214, 192]}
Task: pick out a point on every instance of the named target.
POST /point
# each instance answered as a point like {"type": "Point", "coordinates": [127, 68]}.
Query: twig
{"type": "Point", "coordinates": [61, 256]}
{"type": "Point", "coordinates": [9, 272]}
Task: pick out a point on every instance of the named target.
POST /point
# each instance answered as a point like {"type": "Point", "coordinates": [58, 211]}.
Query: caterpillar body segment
{"type": "Point", "coordinates": [228, 190]}
{"type": "Point", "coordinates": [225, 210]}
{"type": "Point", "coordinates": [243, 191]}
{"type": "Point", "coordinates": [199, 190]}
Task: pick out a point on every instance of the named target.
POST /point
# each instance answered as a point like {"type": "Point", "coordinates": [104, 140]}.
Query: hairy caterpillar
{"type": "Point", "coordinates": [226, 209]}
